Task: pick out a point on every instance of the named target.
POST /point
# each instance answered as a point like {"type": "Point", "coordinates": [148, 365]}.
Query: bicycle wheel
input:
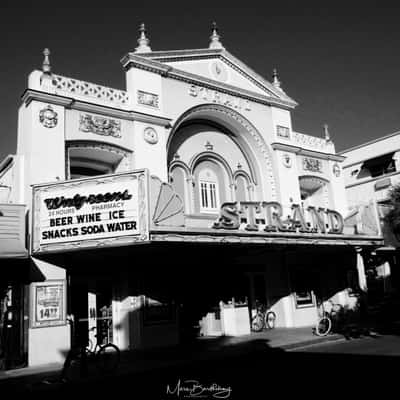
{"type": "Point", "coordinates": [323, 327]}
{"type": "Point", "coordinates": [257, 323]}
{"type": "Point", "coordinates": [75, 367]}
{"type": "Point", "coordinates": [107, 358]}
{"type": "Point", "coordinates": [270, 319]}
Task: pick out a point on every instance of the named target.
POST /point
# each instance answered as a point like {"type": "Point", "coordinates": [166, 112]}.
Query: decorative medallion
{"type": "Point", "coordinates": [48, 117]}
{"type": "Point", "coordinates": [287, 161]}
{"type": "Point", "coordinates": [209, 146]}
{"type": "Point", "coordinates": [219, 71]}
{"type": "Point", "coordinates": [147, 99]}
{"type": "Point", "coordinates": [100, 125]}
{"type": "Point", "coordinates": [150, 135]}
{"type": "Point", "coordinates": [336, 169]}
{"type": "Point", "coordinates": [282, 131]}
{"type": "Point", "coordinates": [312, 164]}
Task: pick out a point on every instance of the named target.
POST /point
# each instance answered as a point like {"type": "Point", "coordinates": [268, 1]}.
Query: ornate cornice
{"type": "Point", "coordinates": [208, 235]}
{"type": "Point", "coordinates": [73, 104]}
{"type": "Point", "coordinates": [305, 152]}
{"type": "Point", "coordinates": [29, 95]}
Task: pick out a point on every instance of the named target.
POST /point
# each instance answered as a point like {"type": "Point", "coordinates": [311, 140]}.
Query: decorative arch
{"type": "Point", "coordinates": [310, 185]}
{"type": "Point", "coordinates": [209, 155]}
{"type": "Point", "coordinates": [241, 172]}
{"type": "Point", "coordinates": [237, 125]}
{"type": "Point", "coordinates": [179, 164]}
{"type": "Point", "coordinates": [104, 157]}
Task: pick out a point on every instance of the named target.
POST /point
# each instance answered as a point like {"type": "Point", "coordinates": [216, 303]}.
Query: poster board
{"type": "Point", "coordinates": [48, 303]}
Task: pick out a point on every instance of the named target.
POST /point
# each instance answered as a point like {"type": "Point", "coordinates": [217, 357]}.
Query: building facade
{"type": "Point", "coordinates": [371, 170]}
{"type": "Point", "coordinates": [149, 208]}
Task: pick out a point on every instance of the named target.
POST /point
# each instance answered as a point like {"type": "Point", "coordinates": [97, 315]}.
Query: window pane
{"type": "Point", "coordinates": [213, 196]}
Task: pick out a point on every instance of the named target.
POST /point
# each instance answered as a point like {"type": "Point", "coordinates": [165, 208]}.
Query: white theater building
{"type": "Point", "coordinates": [153, 206]}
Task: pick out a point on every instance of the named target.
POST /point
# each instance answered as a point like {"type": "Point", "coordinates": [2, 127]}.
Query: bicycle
{"type": "Point", "coordinates": [107, 355]}
{"type": "Point", "coordinates": [264, 318]}
{"type": "Point", "coordinates": [328, 321]}
{"type": "Point", "coordinates": [106, 358]}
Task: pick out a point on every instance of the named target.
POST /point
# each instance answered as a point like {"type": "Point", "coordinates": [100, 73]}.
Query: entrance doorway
{"type": "Point", "coordinates": [13, 326]}
{"type": "Point", "coordinates": [91, 305]}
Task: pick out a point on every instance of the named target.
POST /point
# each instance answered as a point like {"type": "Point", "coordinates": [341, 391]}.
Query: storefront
{"type": "Point", "coordinates": [151, 207]}
{"type": "Point", "coordinates": [14, 264]}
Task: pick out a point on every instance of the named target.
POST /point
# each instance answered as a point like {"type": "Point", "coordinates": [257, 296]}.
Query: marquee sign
{"type": "Point", "coordinates": [269, 217]}
{"type": "Point", "coordinates": [90, 212]}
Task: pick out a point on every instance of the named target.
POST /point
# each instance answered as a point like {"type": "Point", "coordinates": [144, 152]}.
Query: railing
{"type": "Point", "coordinates": [310, 142]}
{"type": "Point", "coordinates": [86, 90]}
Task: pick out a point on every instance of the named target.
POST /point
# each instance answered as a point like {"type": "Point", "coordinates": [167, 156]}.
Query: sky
{"type": "Point", "coordinates": [338, 61]}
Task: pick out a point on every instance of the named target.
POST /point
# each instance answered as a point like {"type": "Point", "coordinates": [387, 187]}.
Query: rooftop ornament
{"type": "Point", "coordinates": [143, 41]}
{"type": "Point", "coordinates": [215, 42]}
{"type": "Point", "coordinates": [275, 80]}
{"type": "Point", "coordinates": [326, 133]}
{"type": "Point", "coordinates": [46, 78]}
{"type": "Point", "coordinates": [46, 67]}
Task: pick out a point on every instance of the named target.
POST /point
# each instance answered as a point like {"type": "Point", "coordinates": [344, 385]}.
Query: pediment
{"type": "Point", "coordinates": [220, 66]}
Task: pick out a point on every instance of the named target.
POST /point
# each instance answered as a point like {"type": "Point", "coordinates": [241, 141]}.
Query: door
{"type": "Point", "coordinates": [13, 327]}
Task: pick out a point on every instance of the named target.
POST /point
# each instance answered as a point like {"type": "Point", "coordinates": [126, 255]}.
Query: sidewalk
{"type": "Point", "coordinates": [279, 339]}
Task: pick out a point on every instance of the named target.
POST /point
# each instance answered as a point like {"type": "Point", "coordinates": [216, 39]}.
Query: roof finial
{"type": "Point", "coordinates": [215, 43]}
{"type": "Point", "coordinates": [326, 133]}
{"type": "Point", "coordinates": [143, 41]}
{"type": "Point", "coordinates": [276, 82]}
{"type": "Point", "coordinates": [46, 67]}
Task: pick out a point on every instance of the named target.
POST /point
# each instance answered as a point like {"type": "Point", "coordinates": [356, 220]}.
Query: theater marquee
{"type": "Point", "coordinates": [91, 212]}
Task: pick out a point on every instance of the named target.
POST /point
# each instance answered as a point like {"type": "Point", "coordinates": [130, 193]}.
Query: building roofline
{"type": "Point", "coordinates": [6, 162]}
{"type": "Point", "coordinates": [370, 142]}
{"type": "Point", "coordinates": [138, 61]}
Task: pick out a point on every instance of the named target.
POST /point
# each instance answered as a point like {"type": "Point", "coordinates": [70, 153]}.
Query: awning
{"type": "Point", "coordinates": [12, 231]}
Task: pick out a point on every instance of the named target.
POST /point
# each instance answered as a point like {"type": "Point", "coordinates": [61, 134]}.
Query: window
{"type": "Point", "coordinates": [304, 283]}
{"type": "Point", "coordinates": [242, 192]}
{"type": "Point", "coordinates": [378, 166]}
{"type": "Point", "coordinates": [208, 186]}
{"type": "Point", "coordinates": [77, 171]}
{"type": "Point", "coordinates": [208, 196]}
{"type": "Point", "coordinates": [313, 192]}
{"type": "Point", "coordinates": [91, 159]}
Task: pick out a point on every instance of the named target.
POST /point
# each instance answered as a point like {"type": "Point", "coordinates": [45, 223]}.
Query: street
{"type": "Point", "coordinates": [256, 372]}
{"type": "Point", "coordinates": [388, 345]}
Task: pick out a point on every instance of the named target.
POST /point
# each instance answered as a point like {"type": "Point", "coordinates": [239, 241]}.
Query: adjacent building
{"type": "Point", "coordinates": [370, 171]}
{"type": "Point", "coordinates": [146, 209]}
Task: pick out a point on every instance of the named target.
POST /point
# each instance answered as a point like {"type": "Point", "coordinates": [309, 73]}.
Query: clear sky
{"type": "Point", "coordinates": [338, 61]}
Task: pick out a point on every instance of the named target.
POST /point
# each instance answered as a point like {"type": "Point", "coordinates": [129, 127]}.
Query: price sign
{"type": "Point", "coordinates": [49, 303]}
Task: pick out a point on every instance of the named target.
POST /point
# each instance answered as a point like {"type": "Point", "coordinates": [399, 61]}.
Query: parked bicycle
{"type": "Point", "coordinates": [106, 358]}
{"type": "Point", "coordinates": [330, 319]}
{"type": "Point", "coordinates": [264, 318]}
{"type": "Point", "coordinates": [107, 355]}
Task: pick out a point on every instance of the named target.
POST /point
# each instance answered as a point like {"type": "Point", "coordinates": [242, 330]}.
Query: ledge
{"type": "Point", "coordinates": [305, 152]}
{"type": "Point", "coordinates": [71, 103]}
{"type": "Point", "coordinates": [208, 235]}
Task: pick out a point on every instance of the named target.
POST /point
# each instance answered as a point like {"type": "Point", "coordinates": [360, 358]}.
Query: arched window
{"type": "Point", "coordinates": [314, 192]}
{"type": "Point", "coordinates": [86, 159]}
{"type": "Point", "coordinates": [178, 182]}
{"type": "Point", "coordinates": [242, 191]}
{"type": "Point", "coordinates": [208, 191]}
